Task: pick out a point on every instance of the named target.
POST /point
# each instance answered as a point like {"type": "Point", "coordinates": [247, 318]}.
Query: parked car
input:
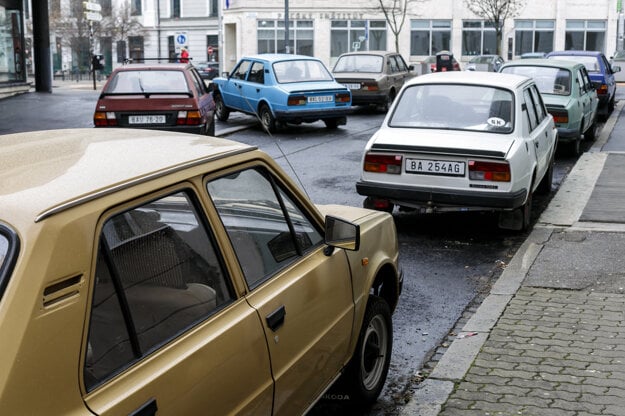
{"type": "Point", "coordinates": [462, 141]}
{"type": "Point", "coordinates": [601, 73]}
{"type": "Point", "coordinates": [430, 62]}
{"type": "Point", "coordinates": [568, 93]}
{"type": "Point", "coordinates": [207, 70]}
{"type": "Point", "coordinates": [156, 96]}
{"type": "Point", "coordinates": [533, 55]}
{"type": "Point", "coordinates": [618, 60]}
{"type": "Point", "coordinates": [489, 63]}
{"type": "Point", "coordinates": [374, 77]}
{"type": "Point", "coordinates": [283, 88]}
{"type": "Point", "coordinates": [144, 270]}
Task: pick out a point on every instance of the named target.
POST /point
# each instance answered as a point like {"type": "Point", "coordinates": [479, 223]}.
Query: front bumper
{"type": "Point", "coordinates": [431, 197]}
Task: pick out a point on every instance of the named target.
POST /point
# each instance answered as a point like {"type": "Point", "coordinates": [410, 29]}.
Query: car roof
{"type": "Point", "coordinates": [148, 66]}
{"type": "Point", "coordinates": [578, 53]}
{"type": "Point", "coordinates": [495, 79]}
{"type": "Point", "coordinates": [276, 57]}
{"type": "Point", "coordinates": [558, 63]}
{"type": "Point", "coordinates": [369, 53]}
{"type": "Point", "coordinates": [46, 172]}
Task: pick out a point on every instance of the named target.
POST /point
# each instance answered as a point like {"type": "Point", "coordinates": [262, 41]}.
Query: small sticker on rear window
{"type": "Point", "coordinates": [496, 122]}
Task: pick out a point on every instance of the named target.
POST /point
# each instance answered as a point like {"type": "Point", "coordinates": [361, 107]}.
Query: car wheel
{"type": "Point", "coordinates": [544, 187]}
{"type": "Point", "coordinates": [389, 100]}
{"type": "Point", "coordinates": [210, 127]}
{"type": "Point", "coordinates": [526, 210]}
{"type": "Point", "coordinates": [331, 123]}
{"type": "Point", "coordinates": [611, 104]}
{"type": "Point", "coordinates": [367, 370]}
{"type": "Point", "coordinates": [221, 111]}
{"type": "Point", "coordinates": [266, 119]}
{"type": "Point", "coordinates": [576, 147]}
{"type": "Point", "coordinates": [591, 133]}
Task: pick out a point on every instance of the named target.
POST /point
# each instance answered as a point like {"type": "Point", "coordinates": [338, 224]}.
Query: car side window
{"type": "Point", "coordinates": [541, 112]}
{"type": "Point", "coordinates": [197, 82]}
{"type": "Point", "coordinates": [587, 81]}
{"type": "Point", "coordinates": [531, 111]}
{"type": "Point", "coordinates": [267, 229]}
{"type": "Point", "coordinates": [257, 73]}
{"type": "Point", "coordinates": [157, 275]}
{"type": "Point", "coordinates": [394, 66]}
{"type": "Point", "coordinates": [240, 72]}
{"type": "Point", "coordinates": [401, 63]}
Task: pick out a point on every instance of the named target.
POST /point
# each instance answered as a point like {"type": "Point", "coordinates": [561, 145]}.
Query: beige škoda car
{"type": "Point", "coordinates": [149, 270]}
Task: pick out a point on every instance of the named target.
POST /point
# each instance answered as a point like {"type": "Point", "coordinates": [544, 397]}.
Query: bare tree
{"type": "Point", "coordinates": [395, 14]}
{"type": "Point", "coordinates": [122, 23]}
{"type": "Point", "coordinates": [496, 12]}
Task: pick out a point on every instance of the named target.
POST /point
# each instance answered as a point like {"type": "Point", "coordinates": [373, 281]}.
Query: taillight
{"type": "Point", "coordinates": [370, 86]}
{"type": "Point", "coordinates": [383, 163]}
{"type": "Point", "coordinates": [559, 117]}
{"type": "Point", "coordinates": [104, 119]}
{"type": "Point", "coordinates": [296, 100]}
{"type": "Point", "coordinates": [602, 90]}
{"type": "Point", "coordinates": [342, 97]}
{"type": "Point", "coordinates": [189, 118]}
{"type": "Point", "coordinates": [489, 171]}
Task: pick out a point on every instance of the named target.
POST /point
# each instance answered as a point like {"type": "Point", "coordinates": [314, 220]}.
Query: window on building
{"type": "Point", "coordinates": [175, 8]}
{"type": "Point", "coordinates": [270, 34]}
{"type": "Point", "coordinates": [212, 48]}
{"type": "Point", "coordinates": [478, 38]}
{"type": "Point", "coordinates": [357, 35]}
{"type": "Point", "coordinates": [428, 37]}
{"type": "Point", "coordinates": [533, 36]}
{"type": "Point", "coordinates": [135, 8]}
{"type": "Point", "coordinates": [213, 7]}
{"type": "Point", "coordinates": [135, 48]}
{"type": "Point", "coordinates": [107, 7]}
{"type": "Point", "coordinates": [585, 35]}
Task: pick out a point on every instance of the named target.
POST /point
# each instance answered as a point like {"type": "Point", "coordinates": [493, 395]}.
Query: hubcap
{"type": "Point", "coordinates": [374, 351]}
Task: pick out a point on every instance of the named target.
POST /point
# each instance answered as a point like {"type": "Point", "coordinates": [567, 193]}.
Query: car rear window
{"type": "Point", "coordinates": [148, 81]}
{"type": "Point", "coordinates": [359, 63]}
{"type": "Point", "coordinates": [455, 107]}
{"type": "Point", "coordinates": [590, 62]}
{"type": "Point", "coordinates": [549, 80]}
{"type": "Point", "coordinates": [301, 71]}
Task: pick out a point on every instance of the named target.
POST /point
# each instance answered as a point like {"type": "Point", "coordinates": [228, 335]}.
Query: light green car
{"type": "Point", "coordinates": [568, 94]}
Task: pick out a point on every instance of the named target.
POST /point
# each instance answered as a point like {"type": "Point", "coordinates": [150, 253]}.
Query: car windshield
{"type": "Point", "coordinates": [148, 81]}
{"type": "Point", "coordinates": [302, 70]}
{"type": "Point", "coordinates": [549, 80]}
{"type": "Point", "coordinates": [481, 60]}
{"type": "Point", "coordinates": [359, 63]}
{"type": "Point", "coordinates": [454, 107]}
{"type": "Point", "coordinates": [590, 62]}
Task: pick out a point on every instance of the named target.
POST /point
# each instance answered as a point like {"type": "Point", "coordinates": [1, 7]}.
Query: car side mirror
{"type": "Point", "coordinates": [616, 68]}
{"type": "Point", "coordinates": [342, 234]}
{"type": "Point", "coordinates": [410, 67]}
{"type": "Point", "coordinates": [225, 74]}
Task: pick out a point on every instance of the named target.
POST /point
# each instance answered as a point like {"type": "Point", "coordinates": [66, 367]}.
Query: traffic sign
{"type": "Point", "coordinates": [93, 16]}
{"type": "Point", "coordinates": [181, 39]}
{"type": "Point", "coordinates": [93, 7]}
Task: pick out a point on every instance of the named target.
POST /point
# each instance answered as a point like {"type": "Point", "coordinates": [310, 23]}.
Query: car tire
{"type": "Point", "coordinates": [210, 127]}
{"type": "Point", "coordinates": [367, 370]}
{"type": "Point", "coordinates": [526, 211]}
{"type": "Point", "coordinates": [267, 119]}
{"type": "Point", "coordinates": [611, 105]}
{"type": "Point", "coordinates": [591, 133]}
{"type": "Point", "coordinates": [221, 111]}
{"type": "Point", "coordinates": [389, 100]}
{"type": "Point", "coordinates": [576, 146]}
{"type": "Point", "coordinates": [544, 187]}
{"type": "Point", "coordinates": [331, 123]}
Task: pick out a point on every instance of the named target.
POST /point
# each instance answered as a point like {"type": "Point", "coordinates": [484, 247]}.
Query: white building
{"type": "Point", "coordinates": [225, 30]}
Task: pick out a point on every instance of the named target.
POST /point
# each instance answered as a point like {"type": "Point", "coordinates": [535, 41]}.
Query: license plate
{"type": "Point", "coordinates": [352, 86]}
{"type": "Point", "coordinates": [435, 167]}
{"type": "Point", "coordinates": [146, 119]}
{"type": "Point", "coordinates": [321, 99]}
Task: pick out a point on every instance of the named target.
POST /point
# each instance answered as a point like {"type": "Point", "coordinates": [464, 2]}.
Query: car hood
{"type": "Point", "coordinates": [453, 142]}
{"type": "Point", "coordinates": [352, 214]}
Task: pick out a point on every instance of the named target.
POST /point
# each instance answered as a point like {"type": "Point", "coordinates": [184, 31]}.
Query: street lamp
{"type": "Point", "coordinates": [286, 26]}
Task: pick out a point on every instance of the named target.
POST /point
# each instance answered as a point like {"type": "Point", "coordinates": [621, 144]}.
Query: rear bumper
{"type": "Point", "coordinates": [198, 129]}
{"type": "Point", "coordinates": [369, 98]}
{"type": "Point", "coordinates": [434, 196]}
{"type": "Point", "coordinates": [313, 115]}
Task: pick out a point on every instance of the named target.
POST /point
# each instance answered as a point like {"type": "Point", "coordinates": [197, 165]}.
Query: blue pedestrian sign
{"type": "Point", "coordinates": [181, 39]}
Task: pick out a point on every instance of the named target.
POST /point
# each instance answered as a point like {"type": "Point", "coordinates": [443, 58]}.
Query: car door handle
{"type": "Point", "coordinates": [276, 318]}
{"type": "Point", "coordinates": [149, 408]}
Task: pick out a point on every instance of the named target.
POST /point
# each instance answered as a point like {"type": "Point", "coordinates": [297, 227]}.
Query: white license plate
{"type": "Point", "coordinates": [352, 86]}
{"type": "Point", "coordinates": [146, 119]}
{"type": "Point", "coordinates": [321, 99]}
{"type": "Point", "coordinates": [435, 167]}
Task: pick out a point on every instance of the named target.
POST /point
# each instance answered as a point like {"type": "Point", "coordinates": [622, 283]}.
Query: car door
{"type": "Point", "coordinates": [252, 88]}
{"type": "Point", "coordinates": [588, 96]}
{"type": "Point", "coordinates": [167, 331]}
{"type": "Point", "coordinates": [541, 131]}
{"type": "Point", "coordinates": [232, 88]}
{"type": "Point", "coordinates": [302, 292]}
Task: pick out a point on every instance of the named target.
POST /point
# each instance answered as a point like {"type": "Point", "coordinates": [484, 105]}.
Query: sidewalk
{"type": "Point", "coordinates": [549, 339]}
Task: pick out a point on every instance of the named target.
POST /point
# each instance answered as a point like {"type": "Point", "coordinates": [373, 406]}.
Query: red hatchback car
{"type": "Point", "coordinates": [157, 96]}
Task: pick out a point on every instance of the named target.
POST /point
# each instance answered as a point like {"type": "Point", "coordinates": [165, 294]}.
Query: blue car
{"type": "Point", "coordinates": [282, 88]}
{"type": "Point", "coordinates": [601, 74]}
